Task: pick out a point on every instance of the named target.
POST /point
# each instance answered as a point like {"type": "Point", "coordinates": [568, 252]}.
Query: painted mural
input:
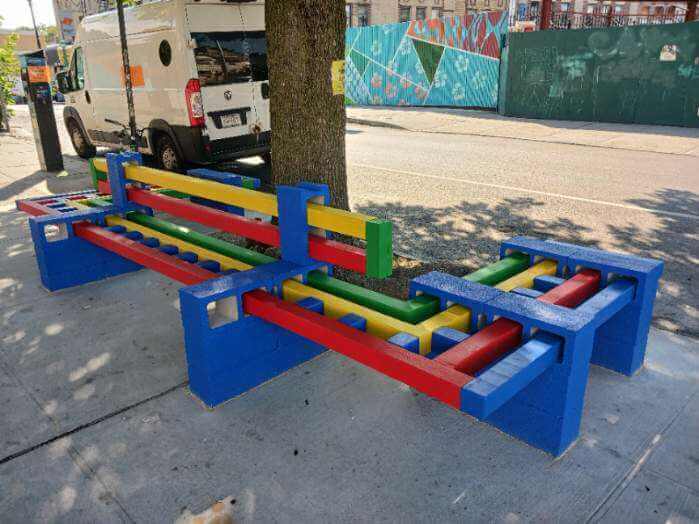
{"type": "Point", "coordinates": [452, 61]}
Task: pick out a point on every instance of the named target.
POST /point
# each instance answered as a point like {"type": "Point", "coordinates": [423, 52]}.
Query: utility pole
{"type": "Point", "coordinates": [36, 31]}
{"type": "Point", "coordinates": [133, 139]}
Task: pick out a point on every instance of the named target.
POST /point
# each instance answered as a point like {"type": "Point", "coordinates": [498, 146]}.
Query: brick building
{"type": "Point", "coordinates": [371, 12]}
{"type": "Point", "coordinates": [586, 12]}
{"type": "Point", "coordinates": [593, 13]}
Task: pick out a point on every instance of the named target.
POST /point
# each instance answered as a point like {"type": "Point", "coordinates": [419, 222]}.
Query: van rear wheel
{"type": "Point", "coordinates": [166, 154]}
{"type": "Point", "coordinates": [80, 143]}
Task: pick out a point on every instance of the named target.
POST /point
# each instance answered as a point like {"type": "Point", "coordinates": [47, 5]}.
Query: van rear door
{"type": "Point", "coordinates": [224, 70]}
{"type": "Point", "coordinates": [254, 21]}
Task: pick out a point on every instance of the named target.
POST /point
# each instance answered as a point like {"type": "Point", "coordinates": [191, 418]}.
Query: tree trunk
{"type": "Point", "coordinates": [304, 37]}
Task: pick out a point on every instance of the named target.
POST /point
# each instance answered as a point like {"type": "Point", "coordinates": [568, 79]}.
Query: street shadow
{"type": "Point", "coordinates": [470, 232]}
{"type": "Point", "coordinates": [458, 239]}
{"type": "Point", "coordinates": [675, 241]}
{"type": "Point", "coordinates": [72, 180]}
{"type": "Point", "coordinates": [461, 238]}
{"type": "Point", "coordinates": [246, 167]}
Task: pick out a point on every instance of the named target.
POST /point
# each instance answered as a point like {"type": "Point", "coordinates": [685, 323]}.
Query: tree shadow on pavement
{"type": "Point", "coordinates": [457, 239]}
{"type": "Point", "coordinates": [460, 239]}
{"type": "Point", "coordinates": [75, 178]}
{"type": "Point", "coordinates": [676, 242]}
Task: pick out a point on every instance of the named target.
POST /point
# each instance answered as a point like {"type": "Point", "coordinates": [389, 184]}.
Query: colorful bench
{"type": "Point", "coordinates": [510, 344]}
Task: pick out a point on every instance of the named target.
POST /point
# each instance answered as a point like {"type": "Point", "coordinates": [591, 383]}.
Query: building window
{"type": "Point", "coordinates": [348, 14]}
{"type": "Point", "coordinates": [420, 13]}
{"type": "Point", "coordinates": [521, 11]}
{"type": "Point", "coordinates": [362, 15]}
{"type": "Point", "coordinates": [404, 13]}
{"type": "Point", "coordinates": [436, 12]}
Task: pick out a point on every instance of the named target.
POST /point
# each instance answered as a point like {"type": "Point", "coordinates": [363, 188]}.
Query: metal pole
{"type": "Point", "coordinates": [36, 31]}
{"type": "Point", "coordinates": [4, 115]}
{"type": "Point", "coordinates": [127, 77]}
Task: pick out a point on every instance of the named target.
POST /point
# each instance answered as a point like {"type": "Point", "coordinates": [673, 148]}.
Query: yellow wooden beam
{"type": "Point", "coordinates": [526, 278]}
{"type": "Point", "coordinates": [323, 217]}
{"type": "Point", "coordinates": [381, 325]}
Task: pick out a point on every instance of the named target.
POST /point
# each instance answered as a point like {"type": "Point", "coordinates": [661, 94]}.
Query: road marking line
{"type": "Point", "coordinates": [531, 191]}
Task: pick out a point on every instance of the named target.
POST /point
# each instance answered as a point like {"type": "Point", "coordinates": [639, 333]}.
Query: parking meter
{"type": "Point", "coordinates": [36, 80]}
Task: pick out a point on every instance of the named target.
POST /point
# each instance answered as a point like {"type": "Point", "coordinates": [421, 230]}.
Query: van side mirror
{"type": "Point", "coordinates": [65, 84]}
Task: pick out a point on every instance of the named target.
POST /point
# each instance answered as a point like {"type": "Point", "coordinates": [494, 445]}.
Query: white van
{"type": "Point", "coordinates": [199, 72]}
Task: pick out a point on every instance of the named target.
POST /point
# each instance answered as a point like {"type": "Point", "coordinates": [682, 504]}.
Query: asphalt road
{"type": "Point", "coordinates": [455, 197]}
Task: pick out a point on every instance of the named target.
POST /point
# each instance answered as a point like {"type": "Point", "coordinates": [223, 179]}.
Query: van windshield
{"type": "Point", "coordinates": [231, 57]}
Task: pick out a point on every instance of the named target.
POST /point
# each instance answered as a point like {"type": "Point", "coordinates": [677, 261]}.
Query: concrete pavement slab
{"type": "Point", "coordinates": [651, 498]}
{"type": "Point", "coordinates": [305, 448]}
{"type": "Point", "coordinates": [663, 139]}
{"type": "Point", "coordinates": [96, 351]}
{"type": "Point", "coordinates": [677, 455]}
{"type": "Point", "coordinates": [649, 404]}
{"type": "Point", "coordinates": [49, 486]}
{"type": "Point", "coordinates": [29, 182]}
{"type": "Point", "coordinates": [332, 440]}
{"type": "Point", "coordinates": [23, 423]}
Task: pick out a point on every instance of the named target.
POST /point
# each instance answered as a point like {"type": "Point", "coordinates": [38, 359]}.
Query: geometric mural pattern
{"type": "Point", "coordinates": [451, 61]}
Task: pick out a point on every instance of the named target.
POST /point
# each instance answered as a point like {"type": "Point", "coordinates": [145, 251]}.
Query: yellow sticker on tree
{"type": "Point", "coordinates": [338, 77]}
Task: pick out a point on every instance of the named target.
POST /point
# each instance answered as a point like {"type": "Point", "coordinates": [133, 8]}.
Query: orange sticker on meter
{"type": "Point", "coordinates": [38, 74]}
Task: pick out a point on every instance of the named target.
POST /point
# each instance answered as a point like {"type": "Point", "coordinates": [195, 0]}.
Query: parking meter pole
{"type": "Point", "coordinates": [127, 77]}
{"type": "Point", "coordinates": [36, 82]}
{"type": "Point", "coordinates": [4, 116]}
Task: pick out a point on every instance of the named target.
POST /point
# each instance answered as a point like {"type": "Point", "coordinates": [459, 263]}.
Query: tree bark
{"type": "Point", "coordinates": [304, 37]}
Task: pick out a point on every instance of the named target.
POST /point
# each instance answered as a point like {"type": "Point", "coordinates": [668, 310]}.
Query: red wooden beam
{"type": "Point", "coordinates": [33, 208]}
{"type": "Point", "coordinates": [503, 335]}
{"type": "Point", "coordinates": [430, 377]}
{"type": "Point", "coordinates": [151, 258]}
{"type": "Point", "coordinates": [575, 290]}
{"type": "Point", "coordinates": [343, 255]}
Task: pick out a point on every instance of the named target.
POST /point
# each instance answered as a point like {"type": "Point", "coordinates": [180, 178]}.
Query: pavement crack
{"type": "Point", "coordinates": [86, 425]}
{"type": "Point", "coordinates": [87, 470]}
{"type": "Point", "coordinates": [608, 501]}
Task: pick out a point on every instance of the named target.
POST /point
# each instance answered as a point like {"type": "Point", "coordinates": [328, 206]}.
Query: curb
{"type": "Point", "coordinates": [375, 123]}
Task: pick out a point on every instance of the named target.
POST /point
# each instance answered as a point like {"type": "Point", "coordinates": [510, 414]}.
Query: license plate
{"type": "Point", "coordinates": [231, 120]}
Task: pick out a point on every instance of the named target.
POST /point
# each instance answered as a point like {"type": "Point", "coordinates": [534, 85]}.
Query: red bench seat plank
{"type": "Point", "coordinates": [427, 376]}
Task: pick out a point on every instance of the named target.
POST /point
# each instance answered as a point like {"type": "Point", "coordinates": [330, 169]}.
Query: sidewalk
{"type": "Point", "coordinates": [660, 139]}
{"type": "Point", "coordinates": [96, 423]}
{"type": "Point", "coordinates": [21, 175]}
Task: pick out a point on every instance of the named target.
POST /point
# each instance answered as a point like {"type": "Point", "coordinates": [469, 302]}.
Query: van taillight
{"type": "Point", "coordinates": [195, 108]}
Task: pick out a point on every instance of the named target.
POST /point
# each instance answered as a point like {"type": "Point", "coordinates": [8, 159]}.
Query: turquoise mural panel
{"type": "Point", "coordinates": [453, 61]}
